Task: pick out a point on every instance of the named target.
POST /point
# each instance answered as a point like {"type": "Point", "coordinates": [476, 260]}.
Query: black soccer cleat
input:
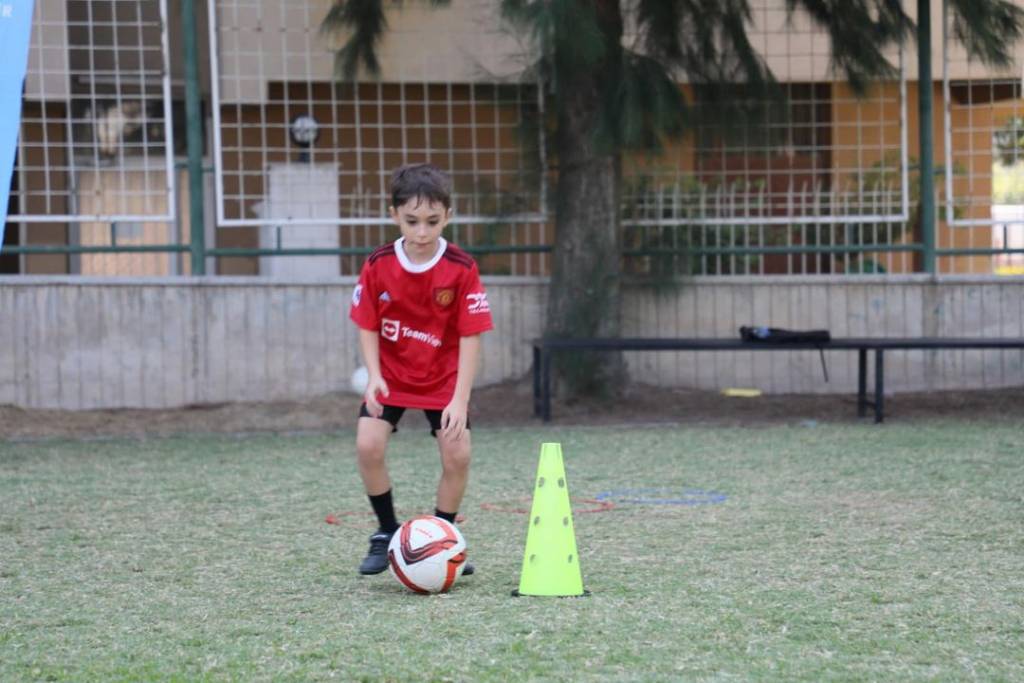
{"type": "Point", "coordinates": [468, 569]}
{"type": "Point", "coordinates": [376, 559]}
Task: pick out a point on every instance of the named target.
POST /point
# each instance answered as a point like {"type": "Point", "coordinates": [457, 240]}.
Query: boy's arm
{"type": "Point", "coordinates": [369, 344]}
{"type": "Point", "coordinates": [453, 418]}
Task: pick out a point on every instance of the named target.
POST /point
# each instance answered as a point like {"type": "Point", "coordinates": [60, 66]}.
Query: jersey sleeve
{"type": "Point", "coordinates": [363, 310]}
{"type": "Point", "coordinates": [474, 311]}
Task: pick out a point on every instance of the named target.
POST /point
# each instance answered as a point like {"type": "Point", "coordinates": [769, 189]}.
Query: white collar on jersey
{"type": "Point", "coordinates": [411, 267]}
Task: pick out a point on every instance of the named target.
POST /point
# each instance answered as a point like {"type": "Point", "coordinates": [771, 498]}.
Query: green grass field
{"type": "Point", "coordinates": [840, 553]}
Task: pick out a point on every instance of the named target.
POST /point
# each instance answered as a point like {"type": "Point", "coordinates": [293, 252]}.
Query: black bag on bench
{"type": "Point", "coordinates": [777, 335]}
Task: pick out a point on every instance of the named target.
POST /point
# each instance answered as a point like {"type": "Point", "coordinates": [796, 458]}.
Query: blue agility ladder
{"type": "Point", "coordinates": [15, 29]}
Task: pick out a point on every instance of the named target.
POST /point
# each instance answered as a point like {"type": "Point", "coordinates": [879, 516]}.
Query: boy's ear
{"type": "Point", "coordinates": [394, 215]}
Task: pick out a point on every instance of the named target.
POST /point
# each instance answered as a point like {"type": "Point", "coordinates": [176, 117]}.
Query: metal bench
{"type": "Point", "coordinates": [543, 349]}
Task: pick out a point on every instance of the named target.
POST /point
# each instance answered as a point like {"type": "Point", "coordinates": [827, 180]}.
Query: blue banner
{"type": "Point", "coordinates": [15, 29]}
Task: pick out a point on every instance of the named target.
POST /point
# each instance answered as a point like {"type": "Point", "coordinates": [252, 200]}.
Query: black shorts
{"type": "Point", "coordinates": [392, 414]}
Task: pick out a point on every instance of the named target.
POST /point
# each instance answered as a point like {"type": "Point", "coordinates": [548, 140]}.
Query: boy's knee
{"type": "Point", "coordinates": [456, 456]}
{"type": "Point", "coordinates": [370, 447]}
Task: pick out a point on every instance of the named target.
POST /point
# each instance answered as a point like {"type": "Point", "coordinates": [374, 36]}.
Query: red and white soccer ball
{"type": "Point", "coordinates": [427, 554]}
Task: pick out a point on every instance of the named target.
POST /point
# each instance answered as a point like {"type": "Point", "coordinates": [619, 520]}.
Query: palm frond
{"type": "Point", "coordinates": [988, 28]}
{"type": "Point", "coordinates": [644, 109]}
{"type": "Point", "coordinates": [367, 22]}
{"type": "Point", "coordinates": [566, 32]}
{"type": "Point", "coordinates": [859, 30]}
{"type": "Point", "coordinates": [659, 23]}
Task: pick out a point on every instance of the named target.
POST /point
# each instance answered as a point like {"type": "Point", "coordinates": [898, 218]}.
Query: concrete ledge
{"type": "Point", "coordinates": [83, 343]}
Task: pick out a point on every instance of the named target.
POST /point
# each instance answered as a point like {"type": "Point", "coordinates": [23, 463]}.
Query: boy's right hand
{"type": "Point", "coordinates": [375, 386]}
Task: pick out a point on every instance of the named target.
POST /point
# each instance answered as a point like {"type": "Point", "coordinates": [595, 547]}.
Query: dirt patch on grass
{"type": "Point", "coordinates": [511, 404]}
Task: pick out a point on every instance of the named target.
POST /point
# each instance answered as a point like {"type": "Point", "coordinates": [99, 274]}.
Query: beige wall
{"type": "Point", "coordinates": [46, 77]}
{"type": "Point", "coordinates": [461, 43]}
{"type": "Point", "coordinates": [468, 42]}
{"type": "Point", "coordinates": [464, 42]}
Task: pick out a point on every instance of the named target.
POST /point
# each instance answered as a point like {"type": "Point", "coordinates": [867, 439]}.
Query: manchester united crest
{"type": "Point", "coordinates": [444, 296]}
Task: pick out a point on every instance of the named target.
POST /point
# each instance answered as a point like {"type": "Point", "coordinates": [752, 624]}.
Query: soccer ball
{"type": "Point", "coordinates": [359, 380]}
{"type": "Point", "coordinates": [427, 554]}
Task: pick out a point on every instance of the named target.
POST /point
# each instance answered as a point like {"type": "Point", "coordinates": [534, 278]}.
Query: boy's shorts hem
{"type": "Point", "coordinates": [392, 414]}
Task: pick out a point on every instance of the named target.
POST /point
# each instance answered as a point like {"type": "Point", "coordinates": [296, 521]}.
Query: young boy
{"type": "Point", "coordinates": [420, 309]}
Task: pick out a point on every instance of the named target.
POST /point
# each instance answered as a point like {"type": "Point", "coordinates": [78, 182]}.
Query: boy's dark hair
{"type": "Point", "coordinates": [420, 180]}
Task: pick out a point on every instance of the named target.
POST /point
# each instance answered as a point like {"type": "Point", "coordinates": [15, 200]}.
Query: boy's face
{"type": "Point", "coordinates": [421, 222]}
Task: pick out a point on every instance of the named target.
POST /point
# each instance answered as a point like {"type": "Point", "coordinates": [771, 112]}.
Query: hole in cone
{"type": "Point", "coordinates": [593, 505]}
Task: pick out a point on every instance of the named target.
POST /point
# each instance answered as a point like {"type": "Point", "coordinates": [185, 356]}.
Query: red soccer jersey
{"type": "Point", "coordinates": [421, 311]}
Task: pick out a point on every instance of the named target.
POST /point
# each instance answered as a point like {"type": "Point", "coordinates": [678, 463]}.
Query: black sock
{"type": "Point", "coordinates": [384, 508]}
{"type": "Point", "coordinates": [446, 516]}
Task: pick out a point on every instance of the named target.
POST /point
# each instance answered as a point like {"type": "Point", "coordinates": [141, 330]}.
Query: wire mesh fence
{"type": "Point", "coordinates": [816, 179]}
{"type": "Point", "coordinates": [983, 189]}
{"type": "Point", "coordinates": [283, 121]}
{"type": "Point", "coordinates": [96, 150]}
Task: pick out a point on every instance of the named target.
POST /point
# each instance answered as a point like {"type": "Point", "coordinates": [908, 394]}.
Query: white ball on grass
{"type": "Point", "coordinates": [427, 554]}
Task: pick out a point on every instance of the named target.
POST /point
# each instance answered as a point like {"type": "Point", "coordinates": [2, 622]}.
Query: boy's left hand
{"type": "Point", "coordinates": [453, 420]}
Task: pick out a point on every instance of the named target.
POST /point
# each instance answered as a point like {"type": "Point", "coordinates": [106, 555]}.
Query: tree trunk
{"type": "Point", "coordinates": [584, 298]}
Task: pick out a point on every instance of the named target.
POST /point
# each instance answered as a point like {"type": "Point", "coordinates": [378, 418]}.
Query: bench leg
{"type": "Point", "coordinates": [536, 382]}
{"type": "Point", "coordinates": [862, 382]}
{"type": "Point", "coordinates": [879, 384]}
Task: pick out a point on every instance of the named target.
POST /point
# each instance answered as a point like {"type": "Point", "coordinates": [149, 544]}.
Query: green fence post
{"type": "Point", "coordinates": [194, 136]}
{"type": "Point", "coordinates": [925, 134]}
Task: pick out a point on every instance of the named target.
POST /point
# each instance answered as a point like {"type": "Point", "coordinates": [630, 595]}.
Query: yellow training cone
{"type": "Point", "coordinates": [551, 565]}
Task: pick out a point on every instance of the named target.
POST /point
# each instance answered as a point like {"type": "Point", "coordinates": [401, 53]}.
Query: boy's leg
{"type": "Point", "coordinates": [371, 446]}
{"type": "Point", "coordinates": [455, 458]}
